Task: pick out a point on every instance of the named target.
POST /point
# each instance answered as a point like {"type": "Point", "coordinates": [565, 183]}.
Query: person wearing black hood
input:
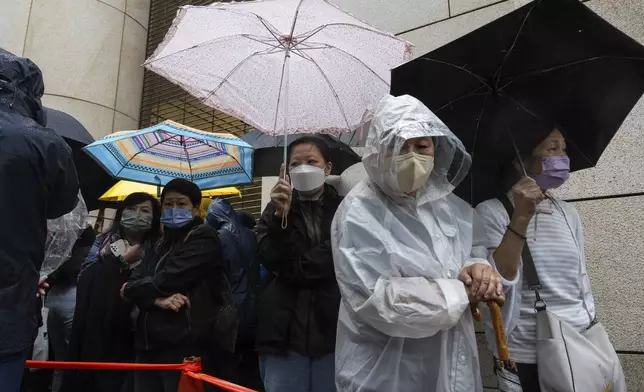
{"type": "Point", "coordinates": [246, 219]}
{"type": "Point", "coordinates": [36, 172]}
{"type": "Point", "coordinates": [239, 254]}
{"type": "Point", "coordinates": [181, 291]}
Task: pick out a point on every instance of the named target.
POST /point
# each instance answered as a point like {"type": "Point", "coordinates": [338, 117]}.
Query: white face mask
{"type": "Point", "coordinates": [307, 178]}
{"type": "Point", "coordinates": [413, 171]}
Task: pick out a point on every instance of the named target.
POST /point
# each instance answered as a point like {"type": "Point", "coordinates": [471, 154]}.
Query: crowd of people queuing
{"type": "Point", "coordinates": [370, 292]}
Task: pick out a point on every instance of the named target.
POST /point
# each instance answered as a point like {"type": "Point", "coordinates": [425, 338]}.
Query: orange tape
{"type": "Point", "coordinates": [192, 369]}
{"type": "Point", "coordinates": [195, 367]}
{"type": "Point", "coordinates": [217, 382]}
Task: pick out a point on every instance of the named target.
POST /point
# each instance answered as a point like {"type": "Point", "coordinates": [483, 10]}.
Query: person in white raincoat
{"type": "Point", "coordinates": [401, 247]}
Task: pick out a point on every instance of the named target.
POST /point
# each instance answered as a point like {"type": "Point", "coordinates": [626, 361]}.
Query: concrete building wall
{"type": "Point", "coordinates": [90, 52]}
{"type": "Point", "coordinates": [613, 217]}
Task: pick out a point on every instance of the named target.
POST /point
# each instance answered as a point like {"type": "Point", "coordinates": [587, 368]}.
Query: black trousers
{"type": "Point", "coordinates": [157, 380]}
{"type": "Point", "coordinates": [529, 377]}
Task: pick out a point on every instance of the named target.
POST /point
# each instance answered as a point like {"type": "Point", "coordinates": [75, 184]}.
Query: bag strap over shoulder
{"type": "Point", "coordinates": [529, 270]}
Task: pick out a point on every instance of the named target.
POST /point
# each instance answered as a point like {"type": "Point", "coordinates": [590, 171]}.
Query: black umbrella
{"type": "Point", "coordinates": [94, 181]}
{"type": "Point", "coordinates": [269, 151]}
{"type": "Point", "coordinates": [551, 63]}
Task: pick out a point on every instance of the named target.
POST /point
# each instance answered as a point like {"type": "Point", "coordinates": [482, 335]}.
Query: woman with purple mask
{"type": "Point", "coordinates": [529, 215]}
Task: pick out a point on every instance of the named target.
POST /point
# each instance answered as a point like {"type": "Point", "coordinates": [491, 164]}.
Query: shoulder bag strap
{"type": "Point", "coordinates": [529, 269]}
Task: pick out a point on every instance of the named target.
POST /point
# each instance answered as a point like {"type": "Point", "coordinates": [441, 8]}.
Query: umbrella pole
{"type": "Point", "coordinates": [100, 217]}
{"type": "Point", "coordinates": [158, 186]}
{"type": "Point", "coordinates": [285, 79]}
{"type": "Point", "coordinates": [525, 174]}
{"type": "Point", "coordinates": [516, 151]}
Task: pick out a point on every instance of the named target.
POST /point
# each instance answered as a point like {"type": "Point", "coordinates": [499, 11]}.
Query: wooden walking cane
{"type": "Point", "coordinates": [503, 354]}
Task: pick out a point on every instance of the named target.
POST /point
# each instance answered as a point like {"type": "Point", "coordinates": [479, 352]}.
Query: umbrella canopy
{"type": "Point", "coordinates": [124, 188]}
{"type": "Point", "coordinates": [169, 150]}
{"type": "Point", "coordinates": [93, 180]}
{"type": "Point", "coordinates": [67, 126]}
{"type": "Point", "coordinates": [282, 66]}
{"type": "Point", "coordinates": [269, 152]}
{"type": "Point", "coordinates": [550, 64]}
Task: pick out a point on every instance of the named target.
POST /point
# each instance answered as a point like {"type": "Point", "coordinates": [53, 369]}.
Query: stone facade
{"type": "Point", "coordinates": [90, 52]}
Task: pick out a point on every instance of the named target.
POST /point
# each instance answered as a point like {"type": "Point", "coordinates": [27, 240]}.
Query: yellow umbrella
{"type": "Point", "coordinates": [123, 188]}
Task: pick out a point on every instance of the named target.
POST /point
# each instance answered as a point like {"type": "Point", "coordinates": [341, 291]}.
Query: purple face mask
{"type": "Point", "coordinates": [555, 171]}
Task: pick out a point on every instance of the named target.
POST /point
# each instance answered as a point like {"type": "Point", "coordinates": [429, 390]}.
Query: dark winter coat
{"type": "Point", "coordinates": [190, 265]}
{"type": "Point", "coordinates": [298, 307]}
{"type": "Point", "coordinates": [239, 255]}
{"type": "Point", "coordinates": [37, 182]}
{"type": "Point", "coordinates": [102, 330]}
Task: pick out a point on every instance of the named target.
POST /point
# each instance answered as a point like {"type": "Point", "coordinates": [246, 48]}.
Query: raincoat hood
{"type": "Point", "coordinates": [21, 87]}
{"type": "Point", "coordinates": [398, 119]}
{"type": "Point", "coordinates": [221, 214]}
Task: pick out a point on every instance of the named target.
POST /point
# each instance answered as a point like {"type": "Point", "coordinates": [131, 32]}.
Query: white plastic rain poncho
{"type": "Point", "coordinates": [404, 322]}
{"type": "Point", "coordinates": [62, 234]}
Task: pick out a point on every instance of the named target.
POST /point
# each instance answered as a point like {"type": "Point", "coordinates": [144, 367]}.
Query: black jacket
{"type": "Point", "coordinates": [298, 307]}
{"type": "Point", "coordinates": [37, 182]}
{"type": "Point", "coordinates": [102, 330]}
{"type": "Point", "coordinates": [191, 266]}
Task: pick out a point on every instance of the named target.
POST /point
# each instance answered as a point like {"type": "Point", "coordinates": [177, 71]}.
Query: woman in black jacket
{"type": "Point", "coordinates": [103, 327]}
{"type": "Point", "coordinates": [298, 308]}
{"type": "Point", "coordinates": [182, 293]}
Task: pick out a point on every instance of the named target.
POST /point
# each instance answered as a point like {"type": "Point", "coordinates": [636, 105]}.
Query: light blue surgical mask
{"type": "Point", "coordinates": [174, 218]}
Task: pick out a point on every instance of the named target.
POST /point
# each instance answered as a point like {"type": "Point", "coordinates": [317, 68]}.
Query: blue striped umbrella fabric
{"type": "Point", "coordinates": [171, 150]}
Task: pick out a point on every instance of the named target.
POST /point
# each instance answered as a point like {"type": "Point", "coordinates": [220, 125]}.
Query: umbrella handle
{"type": "Point", "coordinates": [499, 331]}
{"type": "Point", "coordinates": [475, 312]}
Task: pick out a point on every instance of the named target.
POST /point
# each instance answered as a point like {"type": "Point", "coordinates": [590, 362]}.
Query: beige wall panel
{"type": "Point", "coordinates": [614, 250]}
{"type": "Point", "coordinates": [396, 16]}
{"type": "Point", "coordinates": [124, 123]}
{"type": "Point", "coordinates": [130, 81]}
{"type": "Point", "coordinates": [14, 17]}
{"type": "Point", "coordinates": [118, 4]}
{"type": "Point", "coordinates": [77, 44]}
{"type": "Point", "coordinates": [139, 10]}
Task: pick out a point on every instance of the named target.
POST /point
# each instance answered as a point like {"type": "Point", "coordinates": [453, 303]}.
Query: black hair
{"type": "Point", "coordinates": [131, 200]}
{"type": "Point", "coordinates": [183, 187]}
{"type": "Point", "coordinates": [246, 219]}
{"type": "Point", "coordinates": [316, 141]}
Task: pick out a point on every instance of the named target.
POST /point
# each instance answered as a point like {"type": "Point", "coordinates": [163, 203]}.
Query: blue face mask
{"type": "Point", "coordinates": [174, 218]}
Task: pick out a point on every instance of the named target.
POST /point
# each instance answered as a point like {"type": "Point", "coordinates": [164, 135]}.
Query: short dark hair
{"type": "Point", "coordinates": [183, 187]}
{"type": "Point", "coordinates": [131, 200]}
{"type": "Point", "coordinates": [316, 141]}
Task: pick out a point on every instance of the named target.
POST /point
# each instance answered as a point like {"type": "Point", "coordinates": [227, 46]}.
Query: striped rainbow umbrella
{"type": "Point", "coordinates": [171, 150]}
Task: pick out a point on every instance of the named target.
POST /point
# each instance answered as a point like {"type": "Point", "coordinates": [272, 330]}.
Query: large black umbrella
{"type": "Point", "coordinates": [551, 63]}
{"type": "Point", "coordinates": [269, 151]}
{"type": "Point", "coordinates": [94, 181]}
